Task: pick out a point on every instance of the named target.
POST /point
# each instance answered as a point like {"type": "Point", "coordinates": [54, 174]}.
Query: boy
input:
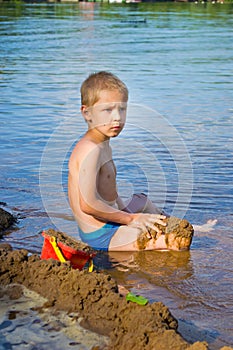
{"type": "Point", "coordinates": [104, 221]}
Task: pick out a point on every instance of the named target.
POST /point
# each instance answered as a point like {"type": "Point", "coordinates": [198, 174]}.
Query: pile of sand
{"type": "Point", "coordinates": [95, 297]}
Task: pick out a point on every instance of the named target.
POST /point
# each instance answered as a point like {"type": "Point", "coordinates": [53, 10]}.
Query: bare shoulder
{"type": "Point", "coordinates": [83, 149]}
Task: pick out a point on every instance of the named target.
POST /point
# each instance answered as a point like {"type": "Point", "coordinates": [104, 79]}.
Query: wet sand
{"type": "Point", "coordinates": [95, 299]}
{"type": "Point", "coordinates": [41, 328]}
{"type": "Point", "coordinates": [178, 234]}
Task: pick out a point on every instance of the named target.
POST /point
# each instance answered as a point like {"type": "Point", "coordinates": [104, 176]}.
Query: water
{"type": "Point", "coordinates": [177, 146]}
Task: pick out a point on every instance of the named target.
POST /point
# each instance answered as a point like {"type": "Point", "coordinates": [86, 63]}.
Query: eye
{"type": "Point", "coordinates": [109, 110]}
{"type": "Point", "coordinates": [122, 109]}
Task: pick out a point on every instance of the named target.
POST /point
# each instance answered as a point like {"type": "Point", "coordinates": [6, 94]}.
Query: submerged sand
{"type": "Point", "coordinates": [26, 324]}
{"type": "Point", "coordinates": [95, 298]}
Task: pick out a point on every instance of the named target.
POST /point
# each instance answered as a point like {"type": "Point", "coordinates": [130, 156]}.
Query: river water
{"type": "Point", "coordinates": [176, 60]}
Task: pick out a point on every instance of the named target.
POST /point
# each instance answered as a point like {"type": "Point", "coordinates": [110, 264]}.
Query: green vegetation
{"type": "Point", "coordinates": [18, 8]}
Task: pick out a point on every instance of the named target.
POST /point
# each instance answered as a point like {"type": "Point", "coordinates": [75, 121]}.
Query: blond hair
{"type": "Point", "coordinates": [98, 82]}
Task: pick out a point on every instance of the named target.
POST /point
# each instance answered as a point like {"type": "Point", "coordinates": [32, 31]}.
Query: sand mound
{"type": "Point", "coordinates": [96, 298]}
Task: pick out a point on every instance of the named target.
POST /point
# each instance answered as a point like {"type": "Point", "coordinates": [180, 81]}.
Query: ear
{"type": "Point", "coordinates": [86, 113]}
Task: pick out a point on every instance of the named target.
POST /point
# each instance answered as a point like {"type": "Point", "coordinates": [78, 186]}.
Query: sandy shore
{"type": "Point", "coordinates": [95, 298]}
{"type": "Point", "coordinates": [26, 324]}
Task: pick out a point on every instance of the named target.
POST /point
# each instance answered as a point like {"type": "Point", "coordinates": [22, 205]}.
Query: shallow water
{"type": "Point", "coordinates": [177, 146]}
{"type": "Point", "coordinates": [41, 329]}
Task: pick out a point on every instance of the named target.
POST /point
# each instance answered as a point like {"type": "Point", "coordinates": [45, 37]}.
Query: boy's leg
{"type": "Point", "coordinates": [140, 203]}
{"type": "Point", "coordinates": [125, 239]}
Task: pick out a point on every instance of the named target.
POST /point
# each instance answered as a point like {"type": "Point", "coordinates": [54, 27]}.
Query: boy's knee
{"type": "Point", "coordinates": [141, 199]}
{"type": "Point", "coordinates": [140, 195]}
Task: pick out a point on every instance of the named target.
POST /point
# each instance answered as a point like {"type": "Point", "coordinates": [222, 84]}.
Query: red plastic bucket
{"type": "Point", "coordinates": [59, 251]}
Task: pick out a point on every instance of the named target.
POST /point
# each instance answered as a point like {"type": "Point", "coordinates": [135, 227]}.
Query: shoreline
{"type": "Point", "coordinates": [42, 328]}
{"type": "Point", "coordinates": [121, 2]}
{"type": "Point", "coordinates": [95, 297]}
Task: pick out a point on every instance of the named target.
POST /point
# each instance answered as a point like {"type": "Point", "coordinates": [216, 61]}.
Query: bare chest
{"type": "Point", "coordinates": [106, 181]}
{"type": "Point", "coordinates": [107, 172]}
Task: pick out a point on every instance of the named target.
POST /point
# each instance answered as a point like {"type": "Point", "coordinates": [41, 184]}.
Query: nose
{"type": "Point", "coordinates": [117, 115]}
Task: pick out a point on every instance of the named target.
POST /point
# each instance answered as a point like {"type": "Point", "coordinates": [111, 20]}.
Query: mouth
{"type": "Point", "coordinates": [116, 128]}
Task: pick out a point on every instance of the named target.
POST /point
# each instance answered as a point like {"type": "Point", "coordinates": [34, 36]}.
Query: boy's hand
{"type": "Point", "coordinates": [146, 221]}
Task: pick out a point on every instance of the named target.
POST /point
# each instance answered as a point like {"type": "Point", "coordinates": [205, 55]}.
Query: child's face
{"type": "Point", "coordinates": [108, 114]}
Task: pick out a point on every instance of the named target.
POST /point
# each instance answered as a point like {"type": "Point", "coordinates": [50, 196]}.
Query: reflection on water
{"type": "Point", "coordinates": [161, 268]}
{"type": "Point", "coordinates": [178, 65]}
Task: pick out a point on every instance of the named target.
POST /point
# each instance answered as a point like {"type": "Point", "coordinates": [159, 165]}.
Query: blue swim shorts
{"type": "Point", "coordinates": [100, 239]}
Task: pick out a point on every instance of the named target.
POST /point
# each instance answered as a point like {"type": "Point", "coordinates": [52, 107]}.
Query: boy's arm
{"type": "Point", "coordinates": [92, 204]}
{"type": "Point", "coordinates": [90, 201]}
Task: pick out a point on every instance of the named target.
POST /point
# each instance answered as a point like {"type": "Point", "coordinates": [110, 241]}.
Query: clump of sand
{"type": "Point", "coordinates": [178, 234]}
{"type": "Point", "coordinates": [69, 241]}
